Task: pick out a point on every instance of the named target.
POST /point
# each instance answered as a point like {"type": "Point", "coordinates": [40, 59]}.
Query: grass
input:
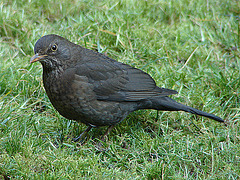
{"type": "Point", "coordinates": [189, 46]}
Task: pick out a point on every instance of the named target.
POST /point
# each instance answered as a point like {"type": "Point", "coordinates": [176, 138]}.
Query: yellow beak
{"type": "Point", "coordinates": [36, 58]}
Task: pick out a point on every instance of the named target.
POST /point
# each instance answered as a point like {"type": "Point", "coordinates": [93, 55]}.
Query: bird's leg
{"type": "Point", "coordinates": [157, 117]}
{"type": "Point", "coordinates": [107, 132]}
{"type": "Point", "coordinates": [99, 144]}
{"type": "Point", "coordinates": [85, 131]}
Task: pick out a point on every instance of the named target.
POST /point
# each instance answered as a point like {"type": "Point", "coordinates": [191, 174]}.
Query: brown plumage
{"type": "Point", "coordinates": [91, 88]}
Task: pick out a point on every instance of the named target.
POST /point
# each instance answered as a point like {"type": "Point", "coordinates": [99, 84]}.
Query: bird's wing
{"type": "Point", "coordinates": [114, 81]}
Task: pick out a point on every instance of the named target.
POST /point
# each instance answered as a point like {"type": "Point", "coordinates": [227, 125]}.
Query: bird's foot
{"type": "Point", "coordinates": [82, 134]}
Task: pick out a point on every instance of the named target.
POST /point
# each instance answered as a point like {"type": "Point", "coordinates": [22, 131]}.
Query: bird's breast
{"type": "Point", "coordinates": [74, 98]}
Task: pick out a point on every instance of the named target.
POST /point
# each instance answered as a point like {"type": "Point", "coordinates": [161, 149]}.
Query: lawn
{"type": "Point", "coordinates": [189, 46]}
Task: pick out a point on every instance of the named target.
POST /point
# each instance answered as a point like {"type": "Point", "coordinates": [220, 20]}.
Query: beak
{"type": "Point", "coordinates": [36, 58]}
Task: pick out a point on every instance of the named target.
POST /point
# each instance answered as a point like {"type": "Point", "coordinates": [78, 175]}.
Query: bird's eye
{"type": "Point", "coordinates": [54, 47]}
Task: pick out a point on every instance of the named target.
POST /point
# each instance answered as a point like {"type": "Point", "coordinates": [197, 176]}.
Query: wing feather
{"type": "Point", "coordinates": [115, 81]}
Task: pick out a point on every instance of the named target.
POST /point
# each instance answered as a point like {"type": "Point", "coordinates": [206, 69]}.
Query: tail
{"type": "Point", "coordinates": [168, 104]}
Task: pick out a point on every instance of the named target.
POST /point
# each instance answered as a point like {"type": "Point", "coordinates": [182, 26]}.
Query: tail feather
{"type": "Point", "coordinates": [168, 104]}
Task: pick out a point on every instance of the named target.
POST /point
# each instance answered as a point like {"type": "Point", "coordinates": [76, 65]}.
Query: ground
{"type": "Point", "coordinates": [189, 46]}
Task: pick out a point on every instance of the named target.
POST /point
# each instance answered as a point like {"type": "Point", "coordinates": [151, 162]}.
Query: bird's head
{"type": "Point", "coordinates": [52, 51]}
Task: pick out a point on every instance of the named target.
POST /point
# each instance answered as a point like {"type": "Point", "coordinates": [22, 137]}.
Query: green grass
{"type": "Point", "coordinates": [190, 46]}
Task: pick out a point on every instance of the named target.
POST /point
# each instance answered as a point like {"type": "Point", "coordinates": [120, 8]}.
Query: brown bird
{"type": "Point", "coordinates": [91, 88]}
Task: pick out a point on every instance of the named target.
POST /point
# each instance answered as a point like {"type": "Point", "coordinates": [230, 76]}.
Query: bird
{"type": "Point", "coordinates": [92, 88]}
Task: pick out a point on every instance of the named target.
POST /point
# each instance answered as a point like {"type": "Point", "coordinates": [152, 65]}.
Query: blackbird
{"type": "Point", "coordinates": [89, 87]}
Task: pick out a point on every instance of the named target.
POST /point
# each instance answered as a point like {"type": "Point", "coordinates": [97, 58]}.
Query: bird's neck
{"type": "Point", "coordinates": [52, 73]}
